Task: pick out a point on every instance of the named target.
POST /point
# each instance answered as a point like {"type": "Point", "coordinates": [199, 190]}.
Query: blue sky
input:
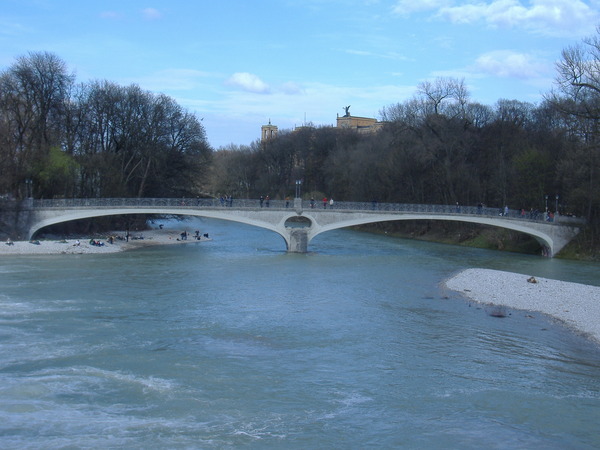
{"type": "Point", "coordinates": [240, 63]}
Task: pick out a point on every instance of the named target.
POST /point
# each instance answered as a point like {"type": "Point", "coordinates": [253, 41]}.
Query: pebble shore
{"type": "Point", "coordinates": [576, 305]}
{"type": "Point", "coordinates": [69, 246]}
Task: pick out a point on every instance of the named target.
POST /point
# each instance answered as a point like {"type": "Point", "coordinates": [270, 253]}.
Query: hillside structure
{"type": "Point", "coordinates": [360, 124]}
{"type": "Point", "coordinates": [347, 121]}
{"type": "Point", "coordinates": [268, 132]}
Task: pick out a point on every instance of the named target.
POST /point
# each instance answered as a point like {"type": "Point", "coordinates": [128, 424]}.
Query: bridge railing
{"type": "Point", "coordinates": [190, 203]}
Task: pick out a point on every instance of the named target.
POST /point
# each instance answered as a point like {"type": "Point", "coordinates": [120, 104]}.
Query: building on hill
{"type": "Point", "coordinates": [347, 121]}
{"type": "Point", "coordinates": [360, 124]}
{"type": "Point", "coordinates": [268, 132]}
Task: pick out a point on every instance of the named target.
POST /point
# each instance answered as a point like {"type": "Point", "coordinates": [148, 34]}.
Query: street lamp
{"type": "Point", "coordinates": [556, 204]}
{"type": "Point", "coordinates": [546, 203]}
{"type": "Point", "coordinates": [298, 188]}
{"type": "Point", "coordinates": [28, 183]}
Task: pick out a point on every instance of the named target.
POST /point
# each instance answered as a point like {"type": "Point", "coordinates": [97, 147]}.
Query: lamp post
{"type": "Point", "coordinates": [298, 188]}
{"type": "Point", "coordinates": [546, 203]}
{"type": "Point", "coordinates": [556, 204]}
{"type": "Point", "coordinates": [28, 183]}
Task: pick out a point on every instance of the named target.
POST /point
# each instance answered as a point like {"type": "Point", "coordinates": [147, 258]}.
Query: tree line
{"type": "Point", "coordinates": [59, 138]}
{"type": "Point", "coordinates": [99, 139]}
{"type": "Point", "coordinates": [440, 147]}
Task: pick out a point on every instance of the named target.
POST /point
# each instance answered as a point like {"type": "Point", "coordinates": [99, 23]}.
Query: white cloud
{"type": "Point", "coordinates": [248, 82]}
{"type": "Point", "coordinates": [319, 101]}
{"type": "Point", "coordinates": [408, 7]}
{"type": "Point", "coordinates": [173, 80]}
{"type": "Point", "coordinates": [291, 88]}
{"type": "Point", "coordinates": [505, 64]}
{"type": "Point", "coordinates": [151, 14]}
{"type": "Point", "coordinates": [542, 16]}
{"type": "Point", "coordinates": [550, 17]}
{"type": "Point", "coordinates": [389, 55]}
{"type": "Point", "coordinates": [112, 15]}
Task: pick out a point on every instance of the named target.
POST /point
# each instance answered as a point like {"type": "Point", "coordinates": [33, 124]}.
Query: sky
{"type": "Point", "coordinates": [238, 64]}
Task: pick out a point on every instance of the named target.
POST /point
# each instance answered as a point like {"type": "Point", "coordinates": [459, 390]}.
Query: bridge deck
{"type": "Point", "coordinates": [321, 216]}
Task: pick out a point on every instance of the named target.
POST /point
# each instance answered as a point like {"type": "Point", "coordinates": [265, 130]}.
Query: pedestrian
{"type": "Point", "coordinates": [324, 202]}
{"type": "Point", "coordinates": [331, 203]}
{"type": "Point", "coordinates": [262, 199]}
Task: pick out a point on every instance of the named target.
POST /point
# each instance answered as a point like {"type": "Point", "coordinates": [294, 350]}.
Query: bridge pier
{"type": "Point", "coordinates": [298, 242]}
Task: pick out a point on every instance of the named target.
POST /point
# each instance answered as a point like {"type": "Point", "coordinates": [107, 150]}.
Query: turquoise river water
{"type": "Point", "coordinates": [233, 343]}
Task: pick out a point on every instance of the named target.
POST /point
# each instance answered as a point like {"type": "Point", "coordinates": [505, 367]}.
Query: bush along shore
{"type": "Point", "coordinates": [584, 247]}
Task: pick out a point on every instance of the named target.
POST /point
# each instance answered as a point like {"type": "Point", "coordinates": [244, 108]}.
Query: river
{"type": "Point", "coordinates": [234, 343]}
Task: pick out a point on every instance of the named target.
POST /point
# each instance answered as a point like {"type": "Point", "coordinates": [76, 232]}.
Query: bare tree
{"type": "Point", "coordinates": [34, 94]}
{"type": "Point", "coordinates": [578, 95]}
{"type": "Point", "coordinates": [445, 96]}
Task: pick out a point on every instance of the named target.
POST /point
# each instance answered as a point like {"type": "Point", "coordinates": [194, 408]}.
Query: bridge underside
{"type": "Point", "coordinates": [314, 222]}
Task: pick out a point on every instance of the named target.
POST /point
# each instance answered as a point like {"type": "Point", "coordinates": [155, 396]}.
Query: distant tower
{"type": "Point", "coordinates": [268, 132]}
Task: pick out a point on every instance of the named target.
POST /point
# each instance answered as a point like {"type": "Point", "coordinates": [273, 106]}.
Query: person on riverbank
{"type": "Point", "coordinates": [324, 202]}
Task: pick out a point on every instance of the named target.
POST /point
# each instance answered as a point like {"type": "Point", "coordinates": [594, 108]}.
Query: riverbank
{"type": "Point", "coordinates": [576, 305]}
{"type": "Point", "coordinates": [84, 246]}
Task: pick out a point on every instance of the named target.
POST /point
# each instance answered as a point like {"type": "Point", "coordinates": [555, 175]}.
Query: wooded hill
{"type": "Point", "coordinates": [441, 148]}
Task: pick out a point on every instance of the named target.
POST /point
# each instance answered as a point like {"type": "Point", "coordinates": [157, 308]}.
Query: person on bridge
{"type": "Point", "coordinates": [324, 202]}
{"type": "Point", "coordinates": [331, 203]}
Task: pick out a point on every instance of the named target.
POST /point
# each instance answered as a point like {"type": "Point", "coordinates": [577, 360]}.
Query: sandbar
{"type": "Point", "coordinates": [119, 243]}
{"type": "Point", "coordinates": [576, 305]}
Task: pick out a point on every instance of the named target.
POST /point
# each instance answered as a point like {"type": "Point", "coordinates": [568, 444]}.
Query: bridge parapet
{"type": "Point", "coordinates": [191, 203]}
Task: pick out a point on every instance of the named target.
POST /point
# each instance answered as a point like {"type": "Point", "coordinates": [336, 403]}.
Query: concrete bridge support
{"type": "Point", "coordinates": [298, 240]}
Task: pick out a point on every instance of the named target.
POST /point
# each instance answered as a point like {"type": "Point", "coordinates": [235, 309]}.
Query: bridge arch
{"type": "Point", "coordinates": [543, 238]}
{"type": "Point", "coordinates": [64, 216]}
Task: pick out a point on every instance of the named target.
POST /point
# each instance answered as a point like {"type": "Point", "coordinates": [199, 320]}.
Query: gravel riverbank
{"type": "Point", "coordinates": [577, 305]}
{"type": "Point", "coordinates": [83, 246]}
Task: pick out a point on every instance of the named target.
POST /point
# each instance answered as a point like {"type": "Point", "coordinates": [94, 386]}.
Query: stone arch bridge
{"type": "Point", "coordinates": [298, 222]}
